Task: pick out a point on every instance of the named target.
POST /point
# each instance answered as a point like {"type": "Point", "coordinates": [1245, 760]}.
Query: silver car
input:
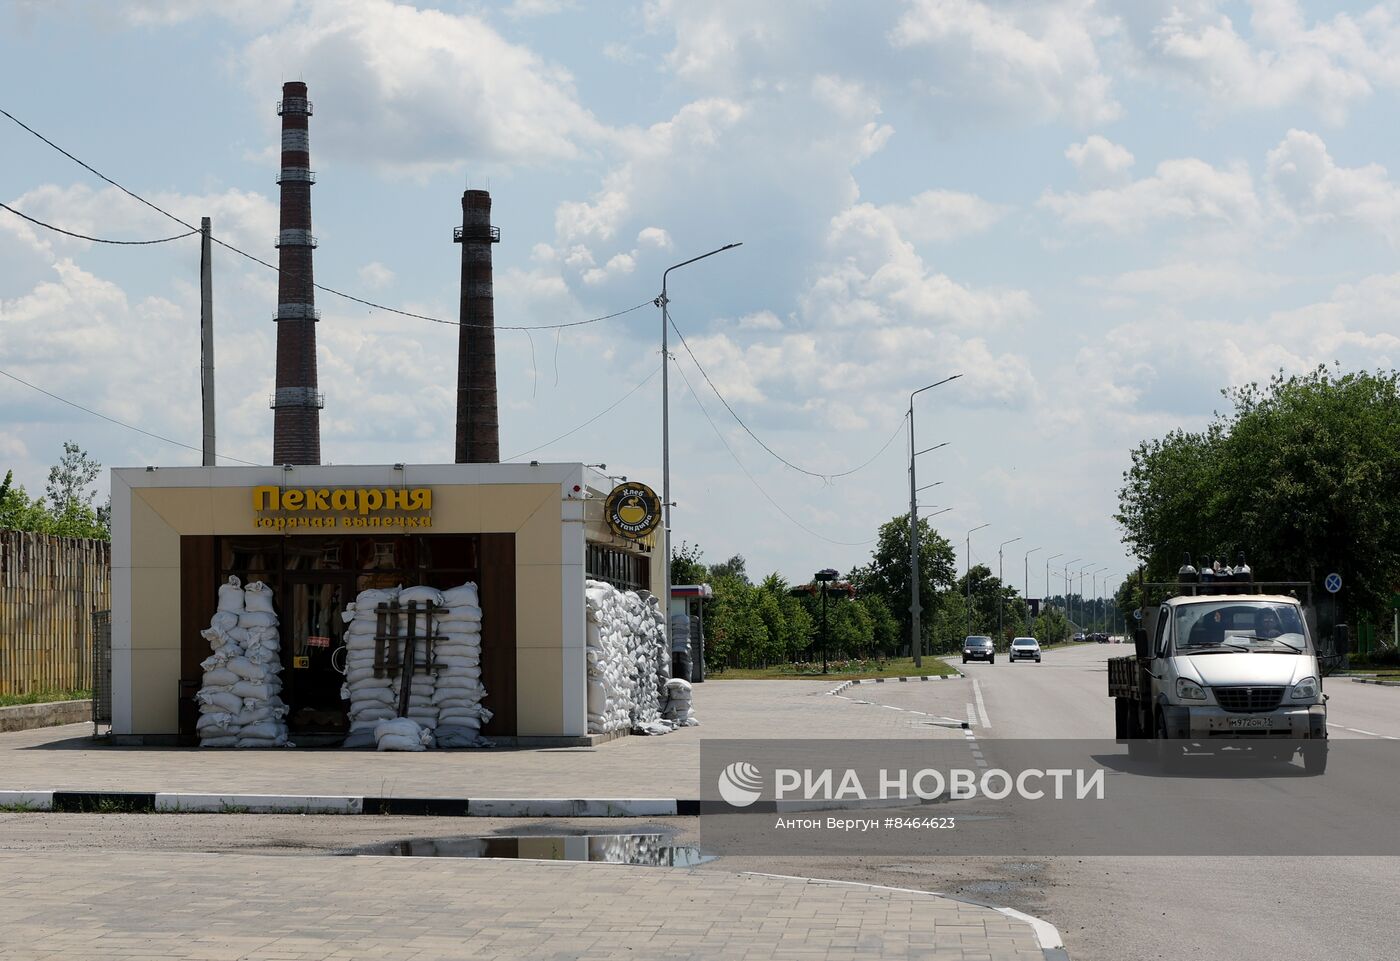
{"type": "Point", "coordinates": [1024, 649]}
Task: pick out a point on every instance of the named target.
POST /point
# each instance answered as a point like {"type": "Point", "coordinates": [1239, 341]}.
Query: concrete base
{"type": "Point", "coordinates": [26, 717]}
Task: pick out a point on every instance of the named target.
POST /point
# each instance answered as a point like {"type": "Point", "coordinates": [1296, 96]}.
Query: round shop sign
{"type": "Point", "coordinates": [632, 510]}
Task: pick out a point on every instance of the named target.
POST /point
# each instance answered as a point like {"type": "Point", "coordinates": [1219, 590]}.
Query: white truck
{"type": "Point", "coordinates": [1227, 663]}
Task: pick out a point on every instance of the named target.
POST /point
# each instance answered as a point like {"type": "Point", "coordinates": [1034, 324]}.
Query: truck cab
{"type": "Point", "coordinates": [1223, 670]}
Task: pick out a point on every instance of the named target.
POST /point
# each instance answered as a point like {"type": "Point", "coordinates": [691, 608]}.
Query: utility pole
{"type": "Point", "coordinates": [916, 637]}
{"type": "Point", "coordinates": [206, 340]}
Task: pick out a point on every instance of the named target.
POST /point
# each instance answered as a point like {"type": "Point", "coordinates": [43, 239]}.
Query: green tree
{"type": "Point", "coordinates": [735, 632]}
{"type": "Point", "coordinates": [68, 509]}
{"type": "Point", "coordinates": [686, 564]}
{"type": "Point", "coordinates": [1051, 627]}
{"type": "Point", "coordinates": [1302, 475]}
{"type": "Point", "coordinates": [887, 573]}
{"type": "Point", "coordinates": [18, 511]}
{"type": "Point", "coordinates": [734, 567]}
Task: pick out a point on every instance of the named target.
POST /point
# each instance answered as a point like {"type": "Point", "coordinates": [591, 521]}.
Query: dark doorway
{"type": "Point", "coordinates": [312, 632]}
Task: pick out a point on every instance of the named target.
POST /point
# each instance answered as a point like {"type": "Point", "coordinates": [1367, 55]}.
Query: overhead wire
{"type": "Point", "coordinates": [602, 413]}
{"type": "Point", "coordinates": [752, 480]}
{"type": "Point", "coordinates": [113, 420]}
{"type": "Point", "coordinates": [96, 240]}
{"type": "Point", "coordinates": [330, 290]}
{"type": "Point", "coordinates": [826, 476]}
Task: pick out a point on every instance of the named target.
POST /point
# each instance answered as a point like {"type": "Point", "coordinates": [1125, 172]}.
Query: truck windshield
{"type": "Point", "coordinates": [1240, 625]}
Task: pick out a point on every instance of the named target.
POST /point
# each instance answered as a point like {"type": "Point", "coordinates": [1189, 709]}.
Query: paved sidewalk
{"type": "Point", "coordinates": [67, 759]}
{"type": "Point", "coordinates": [234, 907]}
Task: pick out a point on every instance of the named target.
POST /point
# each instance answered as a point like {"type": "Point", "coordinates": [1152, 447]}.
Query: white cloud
{"type": "Point", "coordinates": [421, 90]}
{"type": "Point", "coordinates": [655, 237]}
{"type": "Point", "coordinates": [1190, 280]}
{"type": "Point", "coordinates": [944, 215]}
{"type": "Point", "coordinates": [1039, 58]}
{"type": "Point", "coordinates": [375, 275]}
{"type": "Point", "coordinates": [1181, 190]}
{"type": "Point", "coordinates": [522, 9]}
{"type": "Point", "coordinates": [1326, 65]}
{"type": "Point", "coordinates": [1307, 183]}
{"type": "Point", "coordinates": [1099, 160]}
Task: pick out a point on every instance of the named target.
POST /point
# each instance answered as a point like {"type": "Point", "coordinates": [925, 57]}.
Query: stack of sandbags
{"type": "Point", "coordinates": [625, 640]}
{"type": "Point", "coordinates": [678, 709]}
{"type": "Point", "coordinates": [680, 646]}
{"type": "Point", "coordinates": [457, 655]}
{"type": "Point", "coordinates": [446, 702]}
{"type": "Point", "coordinates": [372, 699]}
{"type": "Point", "coordinates": [239, 701]}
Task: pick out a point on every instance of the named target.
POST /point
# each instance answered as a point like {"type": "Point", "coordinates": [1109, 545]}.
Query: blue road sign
{"type": "Point", "coordinates": [1333, 583]}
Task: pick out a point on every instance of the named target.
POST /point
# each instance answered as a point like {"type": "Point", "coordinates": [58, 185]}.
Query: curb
{"type": "Point", "coordinates": [1373, 680]}
{"type": "Point", "coordinates": [29, 717]}
{"type": "Point", "coordinates": [896, 680]}
{"type": "Point", "coordinates": [1052, 946]}
{"type": "Point", "coordinates": [186, 803]}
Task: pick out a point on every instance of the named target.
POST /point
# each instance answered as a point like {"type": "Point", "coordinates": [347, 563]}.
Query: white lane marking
{"type": "Point", "coordinates": [889, 707]}
{"type": "Point", "coordinates": [981, 704]}
{"type": "Point", "coordinates": [1357, 730]}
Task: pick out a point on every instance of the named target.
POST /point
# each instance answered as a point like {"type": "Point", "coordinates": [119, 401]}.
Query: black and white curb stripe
{"type": "Point", "coordinates": [1375, 680]}
{"type": "Point", "coordinates": [1052, 946]}
{"type": "Point", "coordinates": [938, 719]}
{"type": "Point", "coordinates": [116, 802]}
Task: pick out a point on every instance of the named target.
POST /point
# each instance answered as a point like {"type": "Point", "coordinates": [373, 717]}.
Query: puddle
{"type": "Point", "coordinates": [656, 850]}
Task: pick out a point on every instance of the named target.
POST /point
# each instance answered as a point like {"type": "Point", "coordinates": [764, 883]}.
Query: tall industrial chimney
{"type": "Point", "coordinates": [296, 426]}
{"type": "Point", "coordinates": [478, 429]}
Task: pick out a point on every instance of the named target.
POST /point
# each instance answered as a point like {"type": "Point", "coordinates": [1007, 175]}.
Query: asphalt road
{"type": "Point", "coordinates": [1111, 908]}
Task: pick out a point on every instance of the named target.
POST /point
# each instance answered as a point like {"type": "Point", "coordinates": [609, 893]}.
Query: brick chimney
{"type": "Point", "coordinates": [478, 429]}
{"type": "Point", "coordinates": [296, 425]}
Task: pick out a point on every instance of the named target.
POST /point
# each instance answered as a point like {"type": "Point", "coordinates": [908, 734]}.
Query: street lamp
{"type": "Point", "coordinates": [1080, 592]}
{"type": "Point", "coordinates": [1095, 588]}
{"type": "Point", "coordinates": [1001, 601]}
{"type": "Point", "coordinates": [935, 513]}
{"type": "Point", "coordinates": [823, 579]}
{"type": "Point", "coordinates": [1047, 574]}
{"type": "Point", "coordinates": [916, 639]}
{"type": "Point", "coordinates": [967, 578]}
{"type": "Point", "coordinates": [1068, 618]}
{"type": "Point", "coordinates": [1026, 576]}
{"type": "Point", "coordinates": [663, 301]}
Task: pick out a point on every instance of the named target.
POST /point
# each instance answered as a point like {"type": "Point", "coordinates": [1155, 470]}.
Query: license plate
{"type": "Point", "coordinates": [1249, 722]}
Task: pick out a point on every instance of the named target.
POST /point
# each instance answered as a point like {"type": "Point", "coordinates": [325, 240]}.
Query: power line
{"type": "Point", "coordinates": [330, 290]}
{"type": "Point", "coordinates": [758, 440]}
{"type": "Point", "coordinates": [113, 420]}
{"type": "Point", "coordinates": [590, 420]}
{"type": "Point", "coordinates": [96, 240]}
{"type": "Point", "coordinates": [776, 506]}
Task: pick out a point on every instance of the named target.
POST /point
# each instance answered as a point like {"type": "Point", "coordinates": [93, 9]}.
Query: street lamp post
{"type": "Point", "coordinates": [1069, 614]}
{"type": "Point", "coordinates": [1095, 583]}
{"type": "Point", "coordinates": [1047, 574]}
{"type": "Point", "coordinates": [916, 639]}
{"type": "Point", "coordinates": [967, 578]}
{"type": "Point", "coordinates": [663, 301]}
{"type": "Point", "coordinates": [1026, 576]}
{"type": "Point", "coordinates": [1080, 592]}
{"type": "Point", "coordinates": [1001, 601]}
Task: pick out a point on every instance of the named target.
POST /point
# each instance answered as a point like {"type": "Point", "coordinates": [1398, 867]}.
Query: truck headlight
{"type": "Point", "coordinates": [1189, 690]}
{"type": "Point", "coordinates": [1305, 690]}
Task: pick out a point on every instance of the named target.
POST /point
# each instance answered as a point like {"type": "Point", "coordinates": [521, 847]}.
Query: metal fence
{"type": "Point", "coordinates": [101, 670]}
{"type": "Point", "coordinates": [49, 587]}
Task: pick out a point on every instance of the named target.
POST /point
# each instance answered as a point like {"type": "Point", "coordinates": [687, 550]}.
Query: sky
{"type": "Point", "coordinates": [1100, 214]}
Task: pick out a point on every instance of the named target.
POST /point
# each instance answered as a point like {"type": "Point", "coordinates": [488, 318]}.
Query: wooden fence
{"type": "Point", "coordinates": [49, 587]}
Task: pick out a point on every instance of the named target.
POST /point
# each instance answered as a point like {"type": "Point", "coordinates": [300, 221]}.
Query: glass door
{"type": "Point", "coordinates": [312, 632]}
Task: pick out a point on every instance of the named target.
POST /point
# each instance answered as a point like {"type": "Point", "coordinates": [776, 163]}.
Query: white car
{"type": "Point", "coordinates": [1025, 649]}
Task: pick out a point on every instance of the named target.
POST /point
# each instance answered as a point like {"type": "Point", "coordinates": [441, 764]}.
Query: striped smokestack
{"type": "Point", "coordinates": [296, 425]}
{"type": "Point", "coordinates": [478, 431]}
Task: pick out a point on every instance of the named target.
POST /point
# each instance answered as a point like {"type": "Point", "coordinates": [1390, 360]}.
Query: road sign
{"type": "Point", "coordinates": [1137, 614]}
{"type": "Point", "coordinates": [1333, 583]}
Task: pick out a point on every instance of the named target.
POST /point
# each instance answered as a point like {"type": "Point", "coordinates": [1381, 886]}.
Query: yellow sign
{"type": "Point", "coordinates": [632, 510]}
{"type": "Point", "coordinates": [276, 508]}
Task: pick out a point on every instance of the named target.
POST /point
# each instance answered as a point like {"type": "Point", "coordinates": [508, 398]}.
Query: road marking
{"type": "Point", "coordinates": [981, 704]}
{"type": "Point", "coordinates": [1357, 730]}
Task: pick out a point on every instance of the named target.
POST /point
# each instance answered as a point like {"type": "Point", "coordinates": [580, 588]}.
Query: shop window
{"type": "Point", "coordinates": [455, 552]}
{"type": "Point", "coordinates": [251, 555]}
{"type": "Point", "coordinates": [630, 572]}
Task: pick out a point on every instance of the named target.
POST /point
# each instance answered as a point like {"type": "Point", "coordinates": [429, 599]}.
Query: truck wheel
{"type": "Point", "coordinates": [1315, 758]}
{"type": "Point", "coordinates": [1168, 753]}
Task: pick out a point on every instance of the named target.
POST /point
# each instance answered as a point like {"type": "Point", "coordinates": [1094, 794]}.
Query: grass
{"type": "Point", "coordinates": [837, 670]}
{"type": "Point", "coordinates": [42, 697]}
{"type": "Point", "coordinates": [17, 808]}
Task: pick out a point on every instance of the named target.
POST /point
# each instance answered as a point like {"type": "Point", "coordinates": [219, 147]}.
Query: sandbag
{"type": "Point", "coordinates": [257, 690]}
{"type": "Point", "coordinates": [257, 596]}
{"type": "Point", "coordinates": [263, 729]}
{"type": "Point", "coordinates": [457, 736]}
{"type": "Point", "coordinates": [229, 741]}
{"type": "Point", "coordinates": [220, 677]}
{"type": "Point", "coordinates": [252, 619]}
{"type": "Point", "coordinates": [224, 701]}
{"type": "Point", "coordinates": [399, 742]}
{"type": "Point", "coordinates": [421, 594]}
{"type": "Point", "coordinates": [467, 612]}
{"type": "Point", "coordinates": [246, 669]}
{"type": "Point", "coordinates": [214, 722]}
{"type": "Point", "coordinates": [231, 596]}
